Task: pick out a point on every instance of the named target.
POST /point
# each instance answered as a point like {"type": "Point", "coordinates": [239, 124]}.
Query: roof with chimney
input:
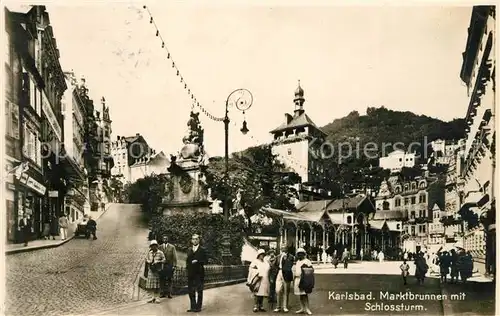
{"type": "Point", "coordinates": [302, 120]}
{"type": "Point", "coordinates": [299, 118]}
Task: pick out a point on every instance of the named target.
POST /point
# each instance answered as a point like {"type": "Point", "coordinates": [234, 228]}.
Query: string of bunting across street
{"type": "Point", "coordinates": [191, 94]}
{"type": "Point", "coordinates": [188, 90]}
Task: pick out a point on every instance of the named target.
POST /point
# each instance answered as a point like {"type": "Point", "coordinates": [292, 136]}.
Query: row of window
{"type": "Point", "coordinates": [32, 147]}
{"type": "Point", "coordinates": [410, 229]}
{"type": "Point", "coordinates": [11, 120]}
{"type": "Point", "coordinates": [422, 198]}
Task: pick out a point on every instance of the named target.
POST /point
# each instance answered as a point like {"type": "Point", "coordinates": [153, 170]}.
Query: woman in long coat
{"type": "Point", "coordinates": [421, 268]}
{"type": "Point", "coordinates": [297, 272]}
{"type": "Point", "coordinates": [258, 275]}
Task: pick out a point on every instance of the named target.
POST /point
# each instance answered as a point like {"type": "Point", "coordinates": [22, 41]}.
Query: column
{"type": "Point", "coordinates": [281, 235]}
{"type": "Point", "coordinates": [311, 236]}
{"type": "Point", "coordinates": [296, 237]}
{"type": "Point", "coordinates": [383, 242]}
{"type": "Point", "coordinates": [324, 236]}
{"type": "Point", "coordinates": [327, 241]}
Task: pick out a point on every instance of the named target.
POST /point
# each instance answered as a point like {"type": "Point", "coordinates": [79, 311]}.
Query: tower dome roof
{"type": "Point", "coordinates": [299, 92]}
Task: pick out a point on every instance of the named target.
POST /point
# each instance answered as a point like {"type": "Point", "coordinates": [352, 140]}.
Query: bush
{"type": "Point", "coordinates": [180, 227]}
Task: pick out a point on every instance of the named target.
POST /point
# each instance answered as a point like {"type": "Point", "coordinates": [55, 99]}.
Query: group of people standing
{"type": "Point", "coordinates": [272, 275]}
{"type": "Point", "coordinates": [52, 227]}
{"type": "Point", "coordinates": [162, 262]}
{"type": "Point", "coordinates": [456, 264]}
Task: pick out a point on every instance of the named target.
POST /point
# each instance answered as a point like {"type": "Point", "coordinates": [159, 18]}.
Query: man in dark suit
{"type": "Point", "coordinates": [91, 228]}
{"type": "Point", "coordinates": [284, 279]}
{"type": "Point", "coordinates": [25, 228]}
{"type": "Point", "coordinates": [168, 268]}
{"type": "Point", "coordinates": [195, 261]}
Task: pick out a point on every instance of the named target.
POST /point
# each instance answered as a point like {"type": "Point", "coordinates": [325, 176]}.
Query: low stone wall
{"type": "Point", "coordinates": [215, 276]}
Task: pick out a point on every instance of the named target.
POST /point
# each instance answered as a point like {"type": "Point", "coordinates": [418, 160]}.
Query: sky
{"type": "Point", "coordinates": [346, 58]}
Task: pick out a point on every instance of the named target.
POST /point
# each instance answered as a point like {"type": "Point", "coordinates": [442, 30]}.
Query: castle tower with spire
{"type": "Point", "coordinates": [293, 144]}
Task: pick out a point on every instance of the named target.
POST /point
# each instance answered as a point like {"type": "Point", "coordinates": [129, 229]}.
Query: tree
{"type": "Point", "coordinates": [117, 189]}
{"type": "Point", "coordinates": [148, 192]}
{"type": "Point", "coordinates": [258, 175]}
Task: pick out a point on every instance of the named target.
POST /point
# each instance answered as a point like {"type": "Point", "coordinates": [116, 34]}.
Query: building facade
{"type": "Point", "coordinates": [126, 151]}
{"type": "Point", "coordinates": [153, 163]}
{"type": "Point", "coordinates": [396, 160]}
{"type": "Point", "coordinates": [34, 137]}
{"type": "Point", "coordinates": [478, 170]}
{"type": "Point", "coordinates": [76, 202]}
{"type": "Point", "coordinates": [298, 144]}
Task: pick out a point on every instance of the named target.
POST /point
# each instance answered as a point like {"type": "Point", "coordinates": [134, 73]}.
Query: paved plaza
{"type": "Point", "coordinates": [380, 279]}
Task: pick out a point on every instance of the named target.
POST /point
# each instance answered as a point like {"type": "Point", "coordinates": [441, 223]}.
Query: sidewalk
{"type": "Point", "coordinates": [44, 244]}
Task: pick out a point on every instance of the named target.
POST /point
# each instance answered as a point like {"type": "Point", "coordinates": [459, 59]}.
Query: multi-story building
{"type": "Point", "coordinates": [105, 160]}
{"type": "Point", "coordinates": [396, 160]}
{"type": "Point", "coordinates": [443, 151]}
{"type": "Point", "coordinates": [478, 172]}
{"type": "Point", "coordinates": [409, 203]}
{"type": "Point", "coordinates": [153, 163]}
{"type": "Point", "coordinates": [125, 152]}
{"type": "Point", "coordinates": [298, 144]}
{"type": "Point", "coordinates": [34, 87]}
{"type": "Point", "coordinates": [76, 203]}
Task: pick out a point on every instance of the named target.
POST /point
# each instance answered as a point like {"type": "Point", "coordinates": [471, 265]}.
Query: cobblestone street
{"type": "Point", "coordinates": [82, 275]}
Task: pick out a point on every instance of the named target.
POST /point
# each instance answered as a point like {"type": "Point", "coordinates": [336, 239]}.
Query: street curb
{"type": "Point", "coordinates": [21, 250]}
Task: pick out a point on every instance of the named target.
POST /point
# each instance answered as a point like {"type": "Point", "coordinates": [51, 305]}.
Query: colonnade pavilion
{"type": "Point", "coordinates": [342, 223]}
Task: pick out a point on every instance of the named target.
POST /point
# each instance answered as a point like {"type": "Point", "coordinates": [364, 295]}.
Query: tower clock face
{"type": "Point", "coordinates": [186, 183]}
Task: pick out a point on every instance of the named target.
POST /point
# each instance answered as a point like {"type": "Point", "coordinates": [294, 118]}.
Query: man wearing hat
{"type": "Point", "coordinates": [284, 264]}
{"type": "Point", "coordinates": [195, 261]}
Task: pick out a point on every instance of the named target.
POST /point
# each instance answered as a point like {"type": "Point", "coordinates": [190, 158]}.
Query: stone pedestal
{"type": "Point", "coordinates": [185, 189]}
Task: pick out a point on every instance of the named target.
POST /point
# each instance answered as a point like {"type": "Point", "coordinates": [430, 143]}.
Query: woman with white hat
{"type": "Point", "coordinates": [155, 260]}
{"type": "Point", "coordinates": [303, 283]}
{"type": "Point", "coordinates": [258, 280]}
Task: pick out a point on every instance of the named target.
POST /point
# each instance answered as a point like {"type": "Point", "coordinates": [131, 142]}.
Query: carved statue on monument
{"type": "Point", "coordinates": [193, 141]}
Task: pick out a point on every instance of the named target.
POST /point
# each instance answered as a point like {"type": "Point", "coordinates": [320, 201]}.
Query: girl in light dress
{"type": "Point", "coordinates": [304, 299]}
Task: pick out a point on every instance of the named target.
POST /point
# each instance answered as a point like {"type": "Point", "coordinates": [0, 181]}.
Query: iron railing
{"type": "Point", "coordinates": [213, 274]}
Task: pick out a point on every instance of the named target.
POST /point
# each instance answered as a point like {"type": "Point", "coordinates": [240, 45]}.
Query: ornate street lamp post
{"type": "Point", "coordinates": [242, 99]}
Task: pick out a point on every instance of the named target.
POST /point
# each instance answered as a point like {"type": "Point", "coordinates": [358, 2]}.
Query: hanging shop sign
{"type": "Point", "coordinates": [51, 117]}
{"type": "Point", "coordinates": [36, 186]}
{"type": "Point", "coordinates": [53, 194]}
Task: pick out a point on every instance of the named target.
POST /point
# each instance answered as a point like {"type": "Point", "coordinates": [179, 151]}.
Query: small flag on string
{"type": "Point", "coordinates": [157, 32]}
{"type": "Point", "coordinates": [182, 79]}
{"type": "Point", "coordinates": [162, 45]}
{"type": "Point", "coordinates": [177, 72]}
{"type": "Point", "coordinates": [151, 20]}
{"type": "Point", "coordinates": [173, 64]}
{"type": "Point", "coordinates": [185, 86]}
{"type": "Point", "coordinates": [168, 56]}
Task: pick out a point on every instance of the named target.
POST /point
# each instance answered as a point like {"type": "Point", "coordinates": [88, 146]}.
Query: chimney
{"type": "Point", "coordinates": [288, 118]}
{"type": "Point", "coordinates": [117, 137]}
{"type": "Point", "coordinates": [137, 134]}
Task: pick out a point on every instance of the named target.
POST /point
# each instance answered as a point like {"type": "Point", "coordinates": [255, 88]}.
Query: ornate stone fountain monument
{"type": "Point", "coordinates": [186, 189]}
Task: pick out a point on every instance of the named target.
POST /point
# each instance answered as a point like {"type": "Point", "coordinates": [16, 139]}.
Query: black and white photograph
{"type": "Point", "coordinates": [242, 158]}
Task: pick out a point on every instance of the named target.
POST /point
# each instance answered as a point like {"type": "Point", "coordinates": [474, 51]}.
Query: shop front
{"type": "Point", "coordinates": [29, 200]}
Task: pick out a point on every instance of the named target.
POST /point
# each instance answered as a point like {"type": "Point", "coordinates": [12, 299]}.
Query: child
{"type": "Point", "coordinates": [405, 270]}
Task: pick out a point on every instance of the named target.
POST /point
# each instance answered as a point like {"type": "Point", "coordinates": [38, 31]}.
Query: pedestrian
{"type": "Point", "coordinates": [260, 279]}
{"type": "Point", "coordinates": [155, 260]}
{"type": "Point", "coordinates": [92, 228]}
{"type": "Point", "coordinates": [381, 256]}
{"type": "Point", "coordinates": [167, 273]}
{"type": "Point", "coordinates": [444, 266]}
{"type": "Point", "coordinates": [63, 226]}
{"type": "Point", "coordinates": [54, 226]}
{"type": "Point", "coordinates": [361, 254]}
{"type": "Point", "coordinates": [405, 271]}
{"type": "Point", "coordinates": [345, 258]}
{"type": "Point", "coordinates": [25, 228]}
{"type": "Point", "coordinates": [303, 284]}
{"type": "Point", "coordinates": [273, 274]}
{"type": "Point", "coordinates": [46, 228]}
{"type": "Point", "coordinates": [405, 255]}
{"type": "Point", "coordinates": [284, 279]}
{"type": "Point", "coordinates": [453, 261]}
{"type": "Point", "coordinates": [420, 267]}
{"type": "Point", "coordinates": [195, 266]}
